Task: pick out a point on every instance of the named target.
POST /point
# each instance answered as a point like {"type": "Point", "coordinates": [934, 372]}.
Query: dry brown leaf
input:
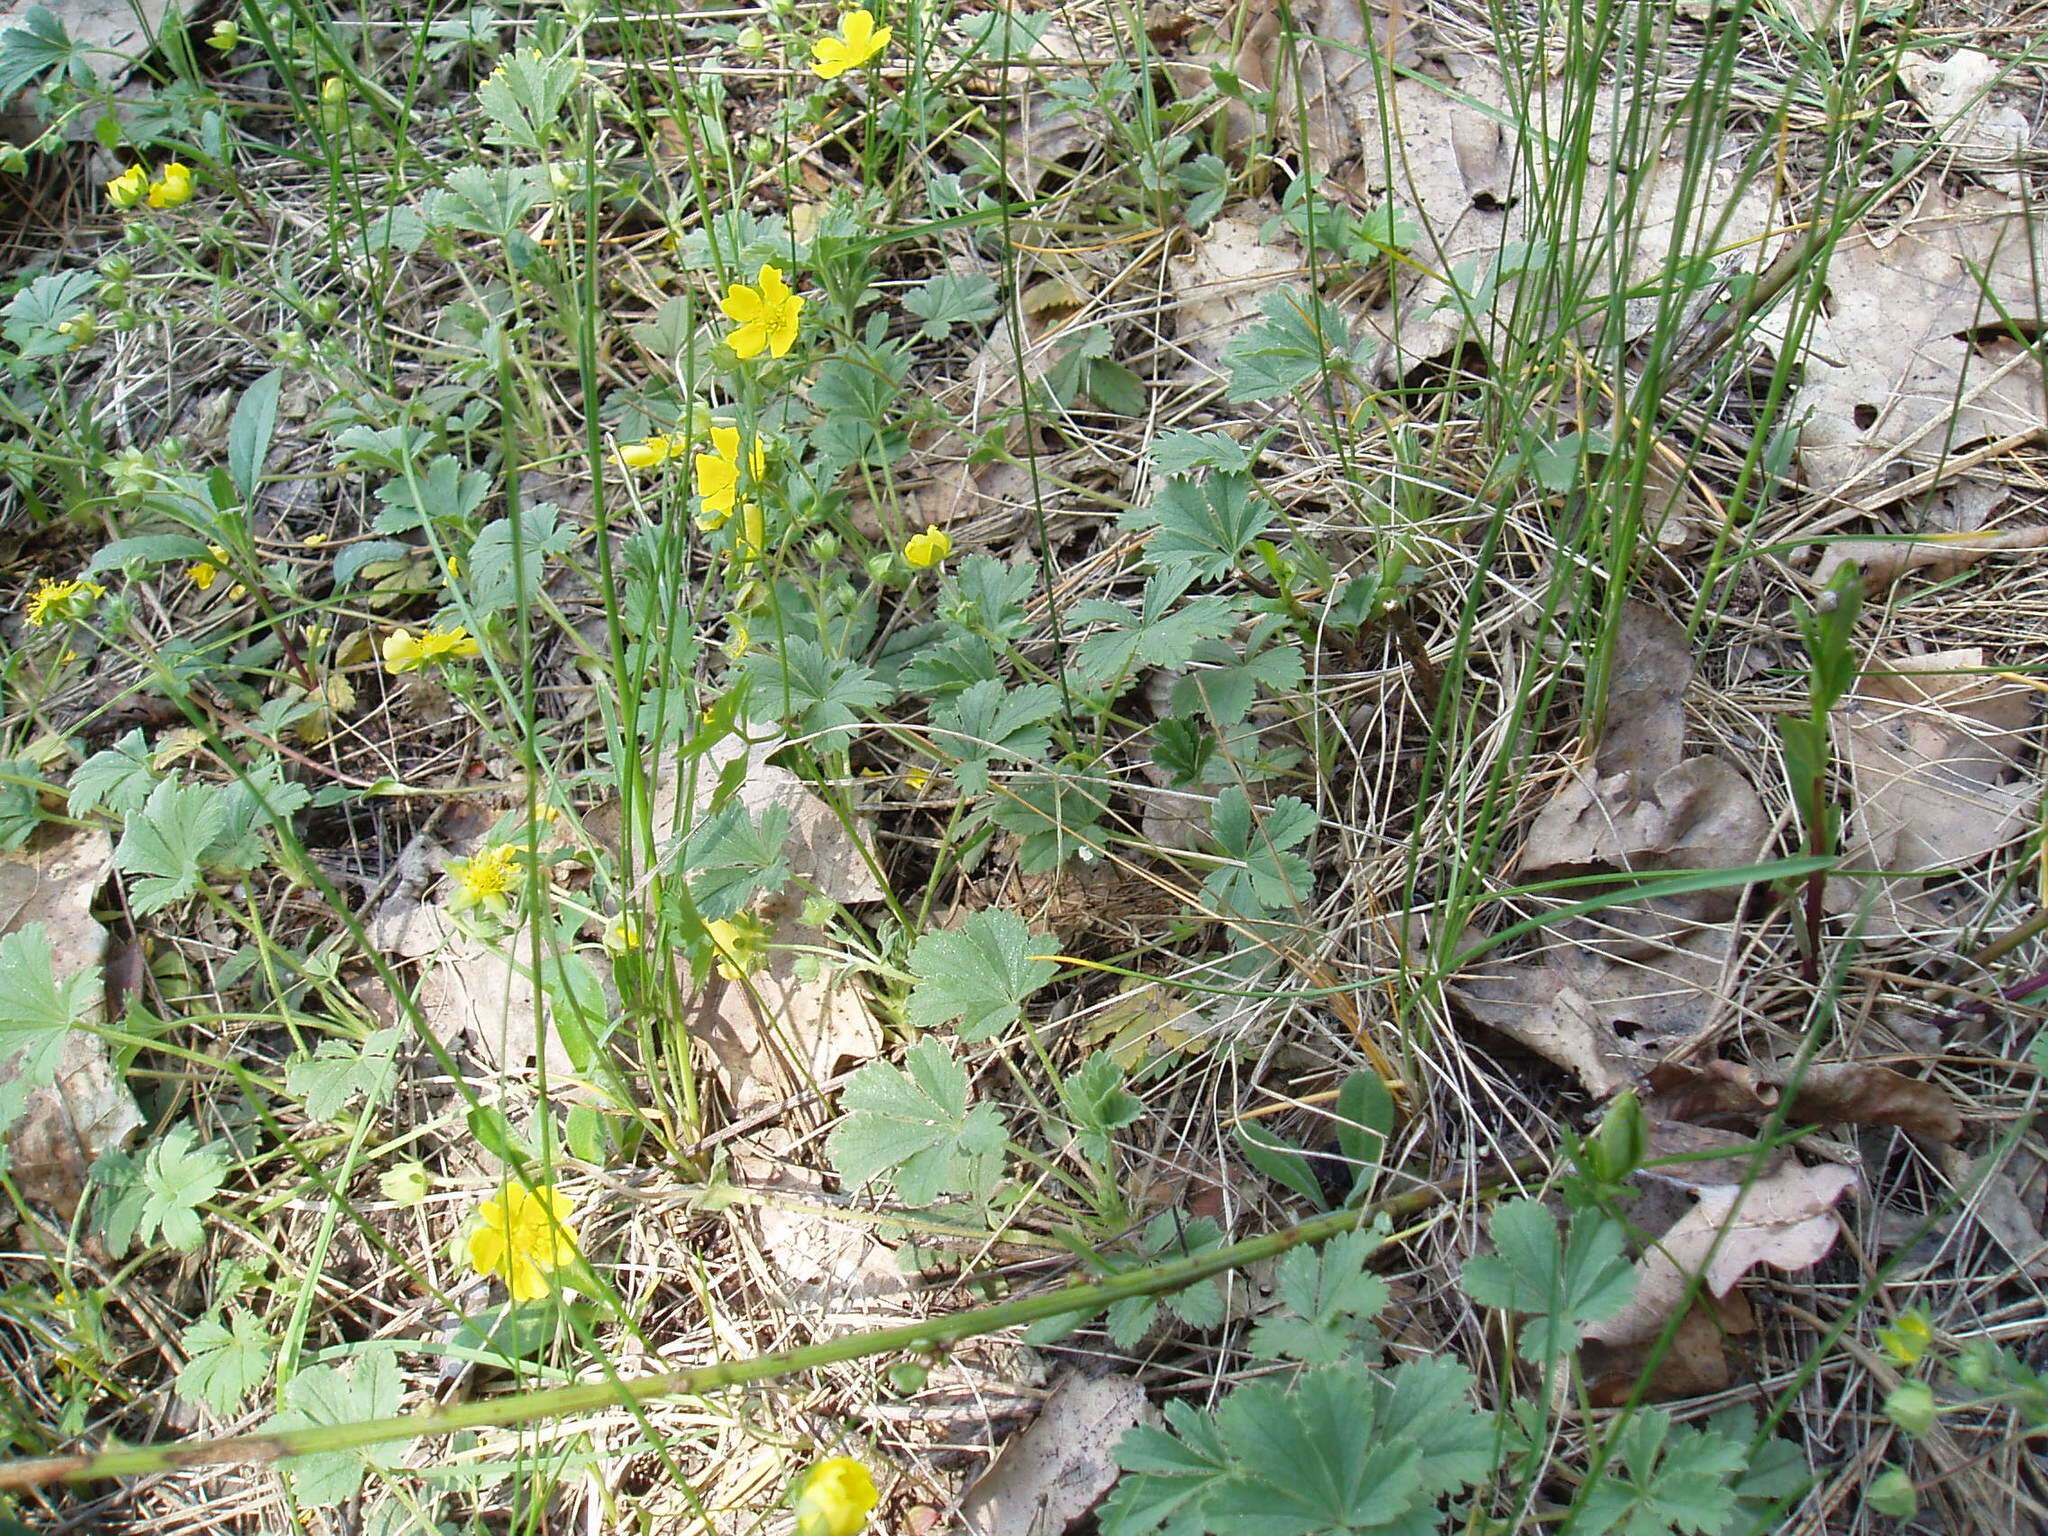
{"type": "Point", "coordinates": [1987, 136]}
{"type": "Point", "coordinates": [1863, 1093]}
{"type": "Point", "coordinates": [1051, 1475]}
{"type": "Point", "coordinates": [1784, 1219]}
{"type": "Point", "coordinates": [1641, 805]}
{"type": "Point", "coordinates": [1884, 561]}
{"type": "Point", "coordinates": [1911, 359]}
{"type": "Point", "coordinates": [472, 989]}
{"type": "Point", "coordinates": [1218, 285]}
{"type": "Point", "coordinates": [87, 1109]}
{"type": "Point", "coordinates": [1695, 1364]}
{"type": "Point", "coordinates": [782, 1032]}
{"type": "Point", "coordinates": [1998, 1207]}
{"type": "Point", "coordinates": [1933, 746]}
{"type": "Point", "coordinates": [822, 1264]}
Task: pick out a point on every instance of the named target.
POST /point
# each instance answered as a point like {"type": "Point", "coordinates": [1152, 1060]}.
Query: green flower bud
{"type": "Point", "coordinates": [1891, 1493]}
{"type": "Point", "coordinates": [1911, 1407]}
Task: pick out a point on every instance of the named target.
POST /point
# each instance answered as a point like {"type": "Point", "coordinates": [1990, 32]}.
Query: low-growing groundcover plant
{"type": "Point", "coordinates": [727, 734]}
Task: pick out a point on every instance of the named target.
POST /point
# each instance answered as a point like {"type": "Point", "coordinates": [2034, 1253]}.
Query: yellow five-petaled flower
{"type": "Point", "coordinates": [405, 652]}
{"type": "Point", "coordinates": [53, 600]}
{"type": "Point", "coordinates": [650, 452]}
{"type": "Point", "coordinates": [766, 314]}
{"type": "Point", "coordinates": [173, 187]}
{"type": "Point", "coordinates": [204, 573]}
{"type": "Point", "coordinates": [834, 1498]}
{"type": "Point", "coordinates": [930, 548]}
{"type": "Point", "coordinates": [522, 1237]}
{"type": "Point", "coordinates": [718, 472]}
{"type": "Point", "coordinates": [129, 188]}
{"type": "Point", "coordinates": [489, 880]}
{"type": "Point", "coordinates": [859, 40]}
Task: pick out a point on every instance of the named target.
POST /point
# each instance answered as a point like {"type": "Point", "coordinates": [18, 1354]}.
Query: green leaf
{"type": "Point", "coordinates": [496, 581]}
{"type": "Point", "coordinates": [369, 1388]}
{"type": "Point", "coordinates": [1180, 453]}
{"type": "Point", "coordinates": [250, 804]}
{"type": "Point", "coordinates": [1202, 525]}
{"type": "Point", "coordinates": [1163, 632]}
{"type": "Point", "coordinates": [916, 1126]}
{"type": "Point", "coordinates": [222, 1364]}
{"type": "Point", "coordinates": [444, 493]}
{"type": "Point", "coordinates": [494, 202]}
{"type": "Point", "coordinates": [523, 98]}
{"type": "Point", "coordinates": [37, 1014]}
{"type": "Point", "coordinates": [732, 859]}
{"type": "Point", "coordinates": [1185, 748]}
{"type": "Point", "coordinates": [1663, 1481]}
{"type": "Point", "coordinates": [1056, 815]}
{"type": "Point", "coordinates": [1098, 1104]}
{"type": "Point", "coordinates": [250, 431]}
{"type": "Point", "coordinates": [950, 299]}
{"type": "Point", "coordinates": [1296, 342]}
{"type": "Point", "coordinates": [145, 552]}
{"type": "Point", "coordinates": [1331, 1302]}
{"type": "Point", "coordinates": [819, 696]}
{"type": "Point", "coordinates": [1336, 1451]}
{"type": "Point", "coordinates": [39, 45]}
{"type": "Point", "coordinates": [164, 1193]}
{"type": "Point", "coordinates": [988, 720]}
{"type": "Point", "coordinates": [981, 974]}
{"type": "Point", "coordinates": [341, 1070]}
{"type": "Point", "coordinates": [1114, 387]}
{"type": "Point", "coordinates": [1561, 1286]}
{"type": "Point", "coordinates": [1265, 876]}
{"type": "Point", "coordinates": [1365, 1119]}
{"type": "Point", "coordinates": [33, 315]}
{"type": "Point", "coordinates": [21, 801]}
{"type": "Point", "coordinates": [166, 844]}
{"type": "Point", "coordinates": [1279, 1160]}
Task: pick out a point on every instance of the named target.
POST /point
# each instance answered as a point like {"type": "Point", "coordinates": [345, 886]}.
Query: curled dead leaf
{"type": "Point", "coordinates": [1052, 1474]}
{"type": "Point", "coordinates": [1785, 1220]}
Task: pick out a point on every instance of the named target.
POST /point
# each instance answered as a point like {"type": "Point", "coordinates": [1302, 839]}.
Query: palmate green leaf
{"type": "Point", "coordinates": [368, 1387]}
{"type": "Point", "coordinates": [1561, 1286]}
{"type": "Point", "coordinates": [950, 299]}
{"type": "Point", "coordinates": [1664, 1481]}
{"type": "Point", "coordinates": [732, 858]}
{"type": "Point", "coordinates": [1267, 876]}
{"type": "Point", "coordinates": [1163, 632]}
{"type": "Point", "coordinates": [493, 201]}
{"type": "Point", "coordinates": [495, 579]}
{"type": "Point", "coordinates": [987, 721]}
{"type": "Point", "coordinates": [33, 315]}
{"type": "Point", "coordinates": [523, 97]}
{"type": "Point", "coordinates": [1330, 1302]}
{"type": "Point", "coordinates": [162, 1193]}
{"type": "Point", "coordinates": [1297, 341]}
{"type": "Point", "coordinates": [166, 845]}
{"type": "Point", "coordinates": [915, 1125]}
{"type": "Point", "coordinates": [817, 695]}
{"type": "Point", "coordinates": [39, 45]}
{"type": "Point", "coordinates": [981, 974]}
{"type": "Point", "coordinates": [342, 1070]}
{"type": "Point", "coordinates": [1055, 815]}
{"type": "Point", "coordinates": [1336, 1451]}
{"type": "Point", "coordinates": [1169, 1235]}
{"type": "Point", "coordinates": [444, 494]}
{"type": "Point", "coordinates": [1099, 1104]}
{"type": "Point", "coordinates": [1203, 525]}
{"type": "Point", "coordinates": [222, 1364]}
{"type": "Point", "coordinates": [1181, 453]}
{"type": "Point", "coordinates": [37, 1014]}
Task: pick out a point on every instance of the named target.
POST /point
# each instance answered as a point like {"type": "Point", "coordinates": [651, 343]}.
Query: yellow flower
{"type": "Point", "coordinates": [404, 653]}
{"type": "Point", "coordinates": [649, 452]}
{"type": "Point", "coordinates": [204, 573]}
{"type": "Point", "coordinates": [718, 472]}
{"type": "Point", "coordinates": [766, 314]}
{"type": "Point", "coordinates": [62, 600]}
{"type": "Point", "coordinates": [740, 944]}
{"type": "Point", "coordinates": [1908, 1339]}
{"type": "Point", "coordinates": [522, 1237]}
{"type": "Point", "coordinates": [835, 1496]}
{"type": "Point", "coordinates": [129, 188]}
{"type": "Point", "coordinates": [490, 880]}
{"type": "Point", "coordinates": [859, 40]}
{"type": "Point", "coordinates": [930, 548]}
{"type": "Point", "coordinates": [173, 187]}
